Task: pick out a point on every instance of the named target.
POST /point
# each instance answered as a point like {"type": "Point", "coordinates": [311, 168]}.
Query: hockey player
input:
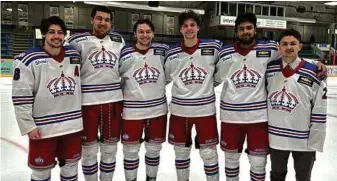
{"type": "Point", "coordinates": [297, 104]}
{"type": "Point", "coordinates": [243, 109]}
{"type": "Point", "coordinates": [145, 106]}
{"type": "Point", "coordinates": [47, 103]}
{"type": "Point", "coordinates": [190, 66]}
{"type": "Point", "coordinates": [101, 94]}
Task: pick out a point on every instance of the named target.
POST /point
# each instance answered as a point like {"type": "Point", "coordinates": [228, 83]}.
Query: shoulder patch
{"type": "Point", "coordinates": [263, 53]}
{"type": "Point", "coordinates": [157, 51]}
{"type": "Point", "coordinates": [75, 60]}
{"type": "Point", "coordinates": [305, 81]}
{"type": "Point", "coordinates": [207, 51]}
{"type": "Point", "coordinates": [116, 38]}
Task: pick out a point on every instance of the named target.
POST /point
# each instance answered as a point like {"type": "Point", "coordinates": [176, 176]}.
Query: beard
{"type": "Point", "coordinates": [248, 41]}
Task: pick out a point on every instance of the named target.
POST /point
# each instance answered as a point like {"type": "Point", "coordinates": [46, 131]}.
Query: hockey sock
{"type": "Point", "coordinates": [182, 162]}
{"type": "Point", "coordinates": [131, 161]}
{"type": "Point", "coordinates": [89, 161]}
{"type": "Point", "coordinates": [108, 161]}
{"type": "Point", "coordinates": [210, 157]}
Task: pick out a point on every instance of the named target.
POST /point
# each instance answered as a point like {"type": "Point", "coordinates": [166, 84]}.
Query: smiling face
{"type": "Point", "coordinates": [246, 33]}
{"type": "Point", "coordinates": [101, 24]}
{"type": "Point", "coordinates": [54, 36]}
{"type": "Point", "coordinates": [189, 29]}
{"type": "Point", "coordinates": [144, 34]}
{"type": "Point", "coordinates": [289, 47]}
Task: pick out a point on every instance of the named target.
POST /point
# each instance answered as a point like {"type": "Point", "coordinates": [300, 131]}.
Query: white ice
{"type": "Point", "coordinates": [14, 149]}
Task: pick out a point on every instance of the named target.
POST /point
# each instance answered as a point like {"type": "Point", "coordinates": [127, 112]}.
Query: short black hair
{"type": "Point", "coordinates": [291, 32]}
{"type": "Point", "coordinates": [53, 20]}
{"type": "Point", "coordinates": [143, 21]}
{"type": "Point", "coordinates": [189, 15]}
{"type": "Point", "coordinates": [245, 17]}
{"type": "Point", "coordinates": [102, 9]}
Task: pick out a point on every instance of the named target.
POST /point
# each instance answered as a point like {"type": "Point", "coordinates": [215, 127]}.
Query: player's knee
{"type": "Point", "coordinates": [153, 147]}
{"type": "Point", "coordinates": [257, 161]}
{"type": "Point", "coordinates": [69, 168]}
{"type": "Point", "coordinates": [131, 150]}
{"type": "Point", "coordinates": [90, 150]}
{"type": "Point", "coordinates": [108, 148]}
{"type": "Point", "coordinates": [232, 156]}
{"type": "Point", "coordinates": [41, 174]}
{"type": "Point", "coordinates": [182, 152]}
{"type": "Point", "coordinates": [209, 153]}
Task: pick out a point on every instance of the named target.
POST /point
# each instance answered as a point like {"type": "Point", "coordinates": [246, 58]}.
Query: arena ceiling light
{"type": "Point", "coordinates": [144, 7]}
{"type": "Point", "coordinates": [332, 3]}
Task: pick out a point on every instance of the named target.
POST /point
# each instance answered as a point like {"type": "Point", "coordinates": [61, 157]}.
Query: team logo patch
{"type": "Point", "coordinates": [223, 143]}
{"type": "Point", "coordinates": [61, 86]}
{"type": "Point", "coordinates": [245, 77]}
{"type": "Point", "coordinates": [305, 81]}
{"type": "Point", "coordinates": [39, 160]}
{"type": "Point", "coordinates": [263, 53]}
{"type": "Point", "coordinates": [159, 52]}
{"type": "Point", "coordinates": [16, 75]}
{"type": "Point", "coordinates": [116, 38]}
{"type": "Point", "coordinates": [171, 136]}
{"type": "Point", "coordinates": [75, 60]}
{"type": "Point", "coordinates": [193, 75]}
{"type": "Point", "coordinates": [207, 51]}
{"type": "Point", "coordinates": [125, 136]}
{"type": "Point", "coordinates": [146, 74]}
{"type": "Point", "coordinates": [283, 100]}
{"type": "Point", "coordinates": [103, 59]}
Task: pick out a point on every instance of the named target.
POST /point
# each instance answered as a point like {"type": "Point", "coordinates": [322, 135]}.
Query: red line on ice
{"type": "Point", "coordinates": [15, 144]}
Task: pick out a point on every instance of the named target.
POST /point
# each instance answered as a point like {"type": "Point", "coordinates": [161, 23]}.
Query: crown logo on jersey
{"type": "Point", "coordinates": [193, 75]}
{"type": "Point", "coordinates": [103, 58]}
{"type": "Point", "coordinates": [146, 74]}
{"type": "Point", "coordinates": [283, 100]}
{"type": "Point", "coordinates": [245, 77]}
{"type": "Point", "coordinates": [62, 86]}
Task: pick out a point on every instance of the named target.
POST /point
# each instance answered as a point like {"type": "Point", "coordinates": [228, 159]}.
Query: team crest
{"type": "Point", "coordinates": [193, 75]}
{"type": "Point", "coordinates": [283, 100]}
{"type": "Point", "coordinates": [39, 160]}
{"type": "Point", "coordinates": [61, 86]}
{"type": "Point", "coordinates": [171, 136]}
{"type": "Point", "coordinates": [103, 59]}
{"type": "Point", "coordinates": [125, 136]}
{"type": "Point", "coordinates": [146, 74]}
{"type": "Point", "coordinates": [245, 78]}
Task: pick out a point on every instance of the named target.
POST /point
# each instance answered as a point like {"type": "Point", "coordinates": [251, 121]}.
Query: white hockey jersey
{"type": "Point", "coordinates": [244, 96]}
{"type": "Point", "coordinates": [191, 71]}
{"type": "Point", "coordinates": [99, 73]}
{"type": "Point", "coordinates": [143, 82]}
{"type": "Point", "coordinates": [296, 107]}
{"type": "Point", "coordinates": [46, 93]}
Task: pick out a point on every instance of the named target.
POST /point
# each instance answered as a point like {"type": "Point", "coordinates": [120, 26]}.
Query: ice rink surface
{"type": "Point", "coordinates": [14, 149]}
